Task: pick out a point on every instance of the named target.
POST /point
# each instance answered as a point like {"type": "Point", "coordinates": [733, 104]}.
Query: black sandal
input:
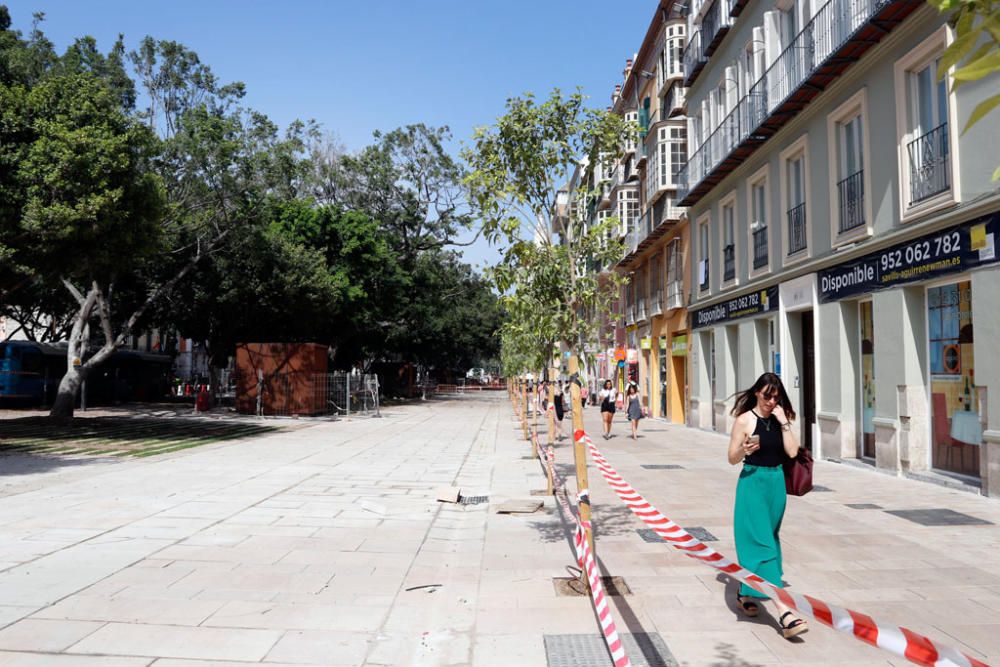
{"type": "Point", "coordinates": [748, 605]}
{"type": "Point", "coordinates": [794, 627]}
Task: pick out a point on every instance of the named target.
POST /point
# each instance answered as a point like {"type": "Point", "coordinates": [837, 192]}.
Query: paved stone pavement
{"type": "Point", "coordinates": [326, 546]}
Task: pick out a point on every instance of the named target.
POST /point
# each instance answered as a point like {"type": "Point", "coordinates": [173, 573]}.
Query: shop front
{"type": "Point", "coordinates": [919, 318]}
{"type": "Point", "coordinates": [731, 344]}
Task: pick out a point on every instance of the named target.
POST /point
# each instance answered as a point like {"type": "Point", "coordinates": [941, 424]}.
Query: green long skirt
{"type": "Point", "coordinates": [760, 506]}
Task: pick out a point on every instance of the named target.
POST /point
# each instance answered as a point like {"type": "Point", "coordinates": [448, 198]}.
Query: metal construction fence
{"type": "Point", "coordinates": [307, 394]}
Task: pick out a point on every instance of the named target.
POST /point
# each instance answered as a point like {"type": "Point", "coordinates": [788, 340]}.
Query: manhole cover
{"type": "Point", "coordinates": [662, 466]}
{"type": "Point", "coordinates": [643, 650]}
{"type": "Point", "coordinates": [939, 517]}
{"type": "Point", "coordinates": [863, 506]}
{"type": "Point", "coordinates": [821, 489]}
{"type": "Point", "coordinates": [650, 535]}
{"type": "Point", "coordinates": [573, 587]}
{"type": "Point", "coordinates": [473, 500]}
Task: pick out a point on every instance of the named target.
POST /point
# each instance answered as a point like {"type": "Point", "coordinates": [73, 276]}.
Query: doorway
{"type": "Point", "coordinates": [808, 373]}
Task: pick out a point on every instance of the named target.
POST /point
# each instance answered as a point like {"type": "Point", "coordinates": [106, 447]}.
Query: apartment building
{"type": "Point", "coordinates": [647, 344]}
{"type": "Point", "coordinates": [844, 231]}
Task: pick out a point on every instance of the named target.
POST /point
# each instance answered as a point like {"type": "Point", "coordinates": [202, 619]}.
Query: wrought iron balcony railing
{"type": "Point", "coordinates": [851, 197]}
{"type": "Point", "coordinates": [694, 58]}
{"type": "Point", "coordinates": [760, 247]}
{"type": "Point", "coordinates": [729, 262]}
{"type": "Point", "coordinates": [819, 41]}
{"type": "Point", "coordinates": [929, 169]}
{"type": "Point", "coordinates": [797, 228]}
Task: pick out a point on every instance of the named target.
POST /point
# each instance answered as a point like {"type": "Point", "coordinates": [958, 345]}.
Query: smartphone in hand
{"type": "Point", "coordinates": [753, 443]}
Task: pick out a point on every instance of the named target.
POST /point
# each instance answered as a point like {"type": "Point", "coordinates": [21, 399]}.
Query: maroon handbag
{"type": "Point", "coordinates": [799, 473]}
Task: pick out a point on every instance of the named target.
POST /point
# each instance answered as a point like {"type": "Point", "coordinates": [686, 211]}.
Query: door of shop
{"type": "Point", "coordinates": [663, 359]}
{"type": "Point", "coordinates": [808, 379]}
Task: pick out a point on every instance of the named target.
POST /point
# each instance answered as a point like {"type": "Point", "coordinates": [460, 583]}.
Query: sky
{"type": "Point", "coordinates": [356, 66]}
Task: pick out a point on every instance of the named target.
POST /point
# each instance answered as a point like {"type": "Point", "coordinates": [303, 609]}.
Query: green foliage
{"type": "Point", "coordinates": [196, 214]}
{"type": "Point", "coordinates": [977, 26]}
{"type": "Point", "coordinates": [518, 167]}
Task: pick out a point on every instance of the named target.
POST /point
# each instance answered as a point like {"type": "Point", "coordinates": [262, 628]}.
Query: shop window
{"type": "Point", "coordinates": [956, 424]}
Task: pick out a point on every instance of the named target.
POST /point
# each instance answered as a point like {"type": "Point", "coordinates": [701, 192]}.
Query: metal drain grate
{"type": "Point", "coordinates": [644, 649]}
{"type": "Point", "coordinates": [939, 517]}
{"type": "Point", "coordinates": [473, 500]}
{"type": "Point", "coordinates": [662, 466]}
{"type": "Point", "coordinates": [649, 535]}
{"type": "Point", "coordinates": [864, 506]}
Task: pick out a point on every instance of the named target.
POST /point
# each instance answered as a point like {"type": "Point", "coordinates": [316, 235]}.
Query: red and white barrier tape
{"type": "Point", "coordinates": [585, 559]}
{"type": "Point", "coordinates": [896, 639]}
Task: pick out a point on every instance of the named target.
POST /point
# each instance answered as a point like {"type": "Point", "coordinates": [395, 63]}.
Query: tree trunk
{"type": "Point", "coordinates": [69, 386]}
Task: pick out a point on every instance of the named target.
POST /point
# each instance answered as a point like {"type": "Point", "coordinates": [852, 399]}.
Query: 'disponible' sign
{"type": "Point", "coordinates": [950, 250]}
{"type": "Point", "coordinates": [744, 305]}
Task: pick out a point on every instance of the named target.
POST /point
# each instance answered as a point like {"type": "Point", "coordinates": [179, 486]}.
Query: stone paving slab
{"type": "Point", "coordinates": [326, 546]}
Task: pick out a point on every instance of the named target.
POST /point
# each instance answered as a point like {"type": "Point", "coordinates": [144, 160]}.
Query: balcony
{"type": "Point", "coordinates": [851, 198]}
{"type": "Point", "coordinates": [694, 58]}
{"type": "Point", "coordinates": [675, 100]}
{"type": "Point", "coordinates": [675, 294]}
{"type": "Point", "coordinates": [714, 25]}
{"type": "Point", "coordinates": [652, 225]}
{"type": "Point", "coordinates": [760, 247]}
{"type": "Point", "coordinates": [797, 228]}
{"type": "Point", "coordinates": [728, 262]}
{"type": "Point", "coordinates": [703, 284]}
{"type": "Point", "coordinates": [630, 313]}
{"type": "Point", "coordinates": [837, 36]}
{"type": "Point", "coordinates": [656, 303]}
{"type": "Point", "coordinates": [929, 169]}
{"type": "Point", "coordinates": [640, 315]}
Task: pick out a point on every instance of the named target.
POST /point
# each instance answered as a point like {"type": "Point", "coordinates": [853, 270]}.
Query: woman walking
{"type": "Point", "coordinates": [607, 396]}
{"type": "Point", "coordinates": [762, 439]}
{"type": "Point", "coordinates": [634, 409]}
{"type": "Point", "coordinates": [558, 405]}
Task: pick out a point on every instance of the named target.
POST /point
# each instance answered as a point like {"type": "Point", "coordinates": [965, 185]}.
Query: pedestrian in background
{"type": "Point", "coordinates": [557, 403]}
{"type": "Point", "coordinates": [633, 408]}
{"type": "Point", "coordinates": [607, 396]}
{"type": "Point", "coordinates": [762, 439]}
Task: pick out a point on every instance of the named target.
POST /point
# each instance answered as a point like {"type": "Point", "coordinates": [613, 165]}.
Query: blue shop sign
{"type": "Point", "coordinates": [951, 250]}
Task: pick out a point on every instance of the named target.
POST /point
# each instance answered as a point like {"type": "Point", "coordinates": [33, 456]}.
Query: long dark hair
{"type": "Point", "coordinates": [606, 383]}
{"type": "Point", "coordinates": [770, 384]}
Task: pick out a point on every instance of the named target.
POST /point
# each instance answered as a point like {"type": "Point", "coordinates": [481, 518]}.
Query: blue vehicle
{"type": "Point", "coordinates": [30, 373]}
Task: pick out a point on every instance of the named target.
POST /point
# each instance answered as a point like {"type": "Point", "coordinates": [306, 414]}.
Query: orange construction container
{"type": "Point", "coordinates": [292, 376]}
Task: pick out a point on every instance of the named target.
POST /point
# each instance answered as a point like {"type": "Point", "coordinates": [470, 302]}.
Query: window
{"type": "Point", "coordinates": [747, 77]}
{"type": "Point", "coordinates": [794, 210]}
{"type": "Point", "coordinates": [729, 240]}
{"type": "Point", "coordinates": [758, 220]}
{"type": "Point", "coordinates": [703, 282]}
{"type": "Point", "coordinates": [628, 209]}
{"type": "Point", "coordinates": [956, 401]}
{"type": "Point", "coordinates": [669, 159]}
{"type": "Point", "coordinates": [850, 210]}
{"type": "Point", "coordinates": [630, 141]}
{"type": "Point", "coordinates": [923, 128]}
{"type": "Point", "coordinates": [851, 162]}
{"type": "Point", "coordinates": [675, 283]}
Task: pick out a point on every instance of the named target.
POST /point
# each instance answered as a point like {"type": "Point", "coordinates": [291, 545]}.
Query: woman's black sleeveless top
{"type": "Point", "coordinates": [772, 449]}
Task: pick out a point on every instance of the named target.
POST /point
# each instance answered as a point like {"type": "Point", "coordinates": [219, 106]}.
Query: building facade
{"type": "Point", "coordinates": [844, 231]}
{"type": "Point", "coordinates": [646, 344]}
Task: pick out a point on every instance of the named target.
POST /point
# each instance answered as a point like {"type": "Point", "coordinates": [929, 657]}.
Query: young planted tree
{"type": "Point", "coordinates": [517, 169]}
